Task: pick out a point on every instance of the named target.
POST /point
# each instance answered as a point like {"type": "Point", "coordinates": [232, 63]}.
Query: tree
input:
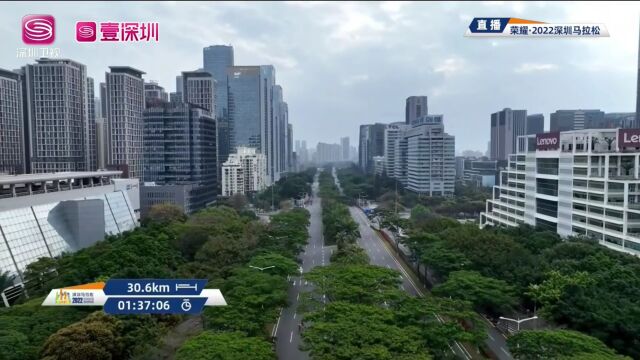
{"type": "Point", "coordinates": [280, 265]}
{"type": "Point", "coordinates": [345, 331]}
{"type": "Point", "coordinates": [558, 344]}
{"type": "Point", "coordinates": [95, 337]}
{"type": "Point", "coordinates": [420, 214]}
{"type": "Point", "coordinates": [165, 214]}
{"type": "Point", "coordinates": [363, 284]}
{"type": "Point", "coordinates": [238, 202]}
{"type": "Point", "coordinates": [6, 280]}
{"type": "Point", "coordinates": [550, 291]}
{"type": "Point", "coordinates": [225, 346]}
{"type": "Point", "coordinates": [486, 294]}
{"type": "Point", "coordinates": [442, 259]}
{"type": "Point", "coordinates": [440, 321]}
{"type": "Point", "coordinates": [350, 254]}
{"type": "Point", "coordinates": [39, 272]}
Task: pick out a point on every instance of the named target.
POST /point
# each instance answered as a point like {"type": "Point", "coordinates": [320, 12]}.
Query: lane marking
{"type": "Point", "coordinates": [298, 297]}
{"type": "Point", "coordinates": [491, 337]}
{"type": "Point", "coordinates": [504, 351]}
{"type": "Point", "coordinates": [291, 337]}
{"type": "Point", "coordinates": [294, 315]}
{"type": "Point", "coordinates": [275, 329]}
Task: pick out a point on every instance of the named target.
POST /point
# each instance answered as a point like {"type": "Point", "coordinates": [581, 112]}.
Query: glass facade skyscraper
{"type": "Point", "coordinates": [216, 60]}
{"type": "Point", "coordinates": [180, 149]}
{"type": "Point", "coordinates": [245, 113]}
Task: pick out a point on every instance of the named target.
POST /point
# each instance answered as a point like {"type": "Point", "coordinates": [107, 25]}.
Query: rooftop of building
{"type": "Point", "coordinates": [126, 70]}
{"type": "Point", "coordinates": [38, 178]}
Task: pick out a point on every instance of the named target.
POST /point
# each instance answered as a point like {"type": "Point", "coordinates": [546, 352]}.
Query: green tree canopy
{"type": "Point", "coordinates": [558, 344]}
{"type": "Point", "coordinates": [486, 294]}
{"type": "Point", "coordinates": [225, 346]}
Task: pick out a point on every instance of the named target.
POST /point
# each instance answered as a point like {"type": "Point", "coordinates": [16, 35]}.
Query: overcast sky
{"type": "Point", "coordinates": [346, 64]}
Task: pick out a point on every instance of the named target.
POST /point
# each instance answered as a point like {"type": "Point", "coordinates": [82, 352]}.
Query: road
{"type": "Point", "coordinates": [381, 255]}
{"type": "Point", "coordinates": [315, 254]}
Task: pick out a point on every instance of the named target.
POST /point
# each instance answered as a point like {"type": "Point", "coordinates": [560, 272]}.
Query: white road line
{"type": "Point", "coordinates": [504, 351]}
{"type": "Point", "coordinates": [275, 329]}
{"type": "Point", "coordinates": [291, 337]}
{"type": "Point", "coordinates": [294, 315]}
{"type": "Point", "coordinates": [491, 337]}
{"type": "Point", "coordinates": [298, 297]}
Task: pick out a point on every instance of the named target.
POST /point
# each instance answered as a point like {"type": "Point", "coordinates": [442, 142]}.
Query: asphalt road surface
{"type": "Point", "coordinates": [381, 255]}
{"type": "Point", "coordinates": [315, 254]}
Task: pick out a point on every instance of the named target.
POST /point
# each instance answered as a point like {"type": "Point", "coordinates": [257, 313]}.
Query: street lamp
{"type": "Point", "coordinates": [519, 321]}
{"type": "Point", "coordinates": [262, 268]}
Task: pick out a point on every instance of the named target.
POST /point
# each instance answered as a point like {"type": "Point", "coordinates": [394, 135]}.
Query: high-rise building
{"type": "Point", "coordinates": [103, 100]}
{"type": "Point", "coordinates": [244, 172]}
{"type": "Point", "coordinates": [198, 89]}
{"type": "Point", "coordinates": [92, 155]}
{"type": "Point", "coordinates": [378, 165]}
{"type": "Point", "coordinates": [371, 144]}
{"type": "Point", "coordinates": [326, 153]}
{"type": "Point", "coordinates": [582, 182]}
{"type": "Point", "coordinates": [277, 140]}
{"type": "Point", "coordinates": [57, 122]}
{"type": "Point", "coordinates": [124, 109]}
{"type": "Point", "coordinates": [179, 154]}
{"type": "Point", "coordinates": [624, 120]}
{"type": "Point", "coordinates": [535, 124]}
{"type": "Point", "coordinates": [154, 94]}
{"type": "Point", "coordinates": [101, 143]}
{"type": "Point", "coordinates": [506, 126]}
{"type": "Point", "coordinates": [431, 167]}
{"type": "Point", "coordinates": [290, 153]}
{"type": "Point", "coordinates": [216, 60]}
{"type": "Point", "coordinates": [415, 108]}
{"type": "Point", "coordinates": [344, 142]}
{"type": "Point", "coordinates": [251, 120]}
{"type": "Point", "coordinates": [12, 152]}
{"type": "Point", "coordinates": [179, 87]}
{"type": "Point", "coordinates": [393, 134]}
{"type": "Point", "coordinates": [232, 176]}
{"type": "Point", "coordinates": [567, 120]}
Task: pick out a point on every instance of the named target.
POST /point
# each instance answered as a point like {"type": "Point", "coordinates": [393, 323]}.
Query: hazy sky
{"type": "Point", "coordinates": [345, 64]}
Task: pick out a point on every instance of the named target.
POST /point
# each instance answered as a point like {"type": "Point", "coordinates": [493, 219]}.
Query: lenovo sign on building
{"type": "Point", "coordinates": [548, 141]}
{"type": "Point", "coordinates": [628, 138]}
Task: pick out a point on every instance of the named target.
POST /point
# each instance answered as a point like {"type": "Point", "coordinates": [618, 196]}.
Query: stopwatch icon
{"type": "Point", "coordinates": [186, 305]}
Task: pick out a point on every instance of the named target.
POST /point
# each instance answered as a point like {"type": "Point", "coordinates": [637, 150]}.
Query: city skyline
{"type": "Point", "coordinates": [351, 42]}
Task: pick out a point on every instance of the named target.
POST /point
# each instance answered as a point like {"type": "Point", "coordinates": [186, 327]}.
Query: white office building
{"type": "Point", "coordinates": [378, 165]}
{"type": "Point", "coordinates": [582, 182]}
{"type": "Point", "coordinates": [244, 172]}
{"type": "Point", "coordinates": [393, 135]}
{"type": "Point", "coordinates": [430, 159]}
{"type": "Point", "coordinates": [45, 215]}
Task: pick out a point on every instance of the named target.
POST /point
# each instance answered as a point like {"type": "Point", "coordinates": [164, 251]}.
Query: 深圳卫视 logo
{"type": "Point", "coordinates": [38, 29]}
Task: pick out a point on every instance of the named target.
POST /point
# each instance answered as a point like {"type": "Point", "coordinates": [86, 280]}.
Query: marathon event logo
{"type": "Point", "coordinates": [515, 27]}
{"type": "Point", "coordinates": [140, 296]}
{"type": "Point", "coordinates": [548, 141]}
{"type": "Point", "coordinates": [38, 29]}
{"type": "Point", "coordinates": [628, 138]}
